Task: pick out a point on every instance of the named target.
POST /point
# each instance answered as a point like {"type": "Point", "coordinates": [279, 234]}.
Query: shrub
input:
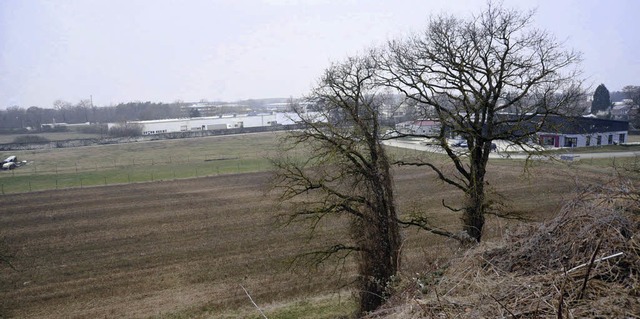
{"type": "Point", "coordinates": [57, 128]}
{"type": "Point", "coordinates": [126, 130]}
{"type": "Point", "coordinates": [93, 129]}
{"type": "Point", "coordinates": [23, 139]}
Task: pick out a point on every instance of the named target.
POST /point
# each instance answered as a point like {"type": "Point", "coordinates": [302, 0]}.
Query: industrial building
{"type": "Point", "coordinates": [582, 132]}
{"type": "Point", "coordinates": [557, 131]}
{"type": "Point", "coordinates": [214, 123]}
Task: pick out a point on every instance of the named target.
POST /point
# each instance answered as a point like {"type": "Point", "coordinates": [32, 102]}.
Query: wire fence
{"type": "Point", "coordinates": [33, 177]}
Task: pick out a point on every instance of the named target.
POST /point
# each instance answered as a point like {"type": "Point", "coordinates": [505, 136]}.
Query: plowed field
{"type": "Point", "coordinates": [186, 246]}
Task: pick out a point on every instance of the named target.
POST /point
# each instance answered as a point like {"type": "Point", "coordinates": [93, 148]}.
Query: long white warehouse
{"type": "Point", "coordinates": [214, 122]}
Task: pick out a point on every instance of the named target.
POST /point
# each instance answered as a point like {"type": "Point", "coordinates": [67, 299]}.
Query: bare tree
{"type": "Point", "coordinates": [632, 92]}
{"type": "Point", "coordinates": [63, 107]}
{"type": "Point", "coordinates": [491, 77]}
{"type": "Point", "coordinates": [345, 174]}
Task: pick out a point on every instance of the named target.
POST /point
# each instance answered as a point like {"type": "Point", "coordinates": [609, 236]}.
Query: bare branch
{"type": "Point", "coordinates": [491, 77]}
{"type": "Point", "coordinates": [344, 173]}
{"type": "Point", "coordinates": [422, 223]}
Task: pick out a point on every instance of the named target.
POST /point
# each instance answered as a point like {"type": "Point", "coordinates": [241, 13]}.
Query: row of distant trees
{"type": "Point", "coordinates": [16, 119]}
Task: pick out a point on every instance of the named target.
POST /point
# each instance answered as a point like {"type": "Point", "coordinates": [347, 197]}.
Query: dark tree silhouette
{"type": "Point", "coordinates": [601, 100]}
{"type": "Point", "coordinates": [345, 173]}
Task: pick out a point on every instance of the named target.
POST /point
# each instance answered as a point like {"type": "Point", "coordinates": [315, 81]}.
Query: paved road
{"type": "Point", "coordinates": [504, 151]}
{"type": "Point", "coordinates": [603, 155]}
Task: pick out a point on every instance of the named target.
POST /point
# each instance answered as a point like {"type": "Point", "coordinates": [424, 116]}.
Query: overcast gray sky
{"type": "Point", "coordinates": [166, 50]}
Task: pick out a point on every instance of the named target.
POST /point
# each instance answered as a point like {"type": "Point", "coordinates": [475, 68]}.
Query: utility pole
{"type": "Point", "coordinates": [93, 110]}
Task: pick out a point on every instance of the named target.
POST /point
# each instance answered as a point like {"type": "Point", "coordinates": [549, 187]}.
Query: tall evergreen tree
{"type": "Point", "coordinates": [601, 99]}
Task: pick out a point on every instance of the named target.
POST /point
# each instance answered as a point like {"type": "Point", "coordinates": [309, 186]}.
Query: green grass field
{"type": "Point", "coordinates": [178, 159]}
{"type": "Point", "coordinates": [139, 162]}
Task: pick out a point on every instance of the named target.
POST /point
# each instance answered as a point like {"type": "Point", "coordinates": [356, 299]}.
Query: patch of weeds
{"type": "Point", "coordinates": [427, 280]}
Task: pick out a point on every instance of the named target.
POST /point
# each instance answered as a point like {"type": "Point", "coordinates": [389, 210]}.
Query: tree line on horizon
{"type": "Point", "coordinates": [17, 119]}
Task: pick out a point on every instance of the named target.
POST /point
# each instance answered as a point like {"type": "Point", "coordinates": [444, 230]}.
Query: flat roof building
{"type": "Point", "coordinates": [214, 123]}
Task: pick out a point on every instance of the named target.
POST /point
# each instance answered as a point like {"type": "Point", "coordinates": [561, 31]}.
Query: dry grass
{"type": "Point", "coordinates": [555, 269]}
{"type": "Point", "coordinates": [51, 136]}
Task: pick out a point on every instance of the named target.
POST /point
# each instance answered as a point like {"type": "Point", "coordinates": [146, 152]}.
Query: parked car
{"type": "Point", "coordinates": [461, 143]}
{"type": "Point", "coordinates": [8, 165]}
{"type": "Point", "coordinates": [11, 159]}
{"type": "Point", "coordinates": [10, 162]}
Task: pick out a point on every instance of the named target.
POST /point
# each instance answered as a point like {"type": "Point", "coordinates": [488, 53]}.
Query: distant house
{"type": "Point", "coordinates": [623, 110]}
{"type": "Point", "coordinates": [422, 127]}
{"type": "Point", "coordinates": [556, 131]}
{"type": "Point", "coordinates": [582, 132]}
{"type": "Point", "coordinates": [620, 112]}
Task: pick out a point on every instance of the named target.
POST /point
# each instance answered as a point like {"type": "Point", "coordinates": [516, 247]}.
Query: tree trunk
{"type": "Point", "coordinates": [473, 218]}
{"type": "Point", "coordinates": [380, 257]}
{"type": "Point", "coordinates": [379, 264]}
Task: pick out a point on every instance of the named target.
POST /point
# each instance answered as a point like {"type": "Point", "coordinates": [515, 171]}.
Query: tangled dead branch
{"type": "Point", "coordinates": [585, 263]}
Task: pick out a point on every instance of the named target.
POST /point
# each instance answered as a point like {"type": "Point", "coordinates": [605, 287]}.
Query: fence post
{"type": "Point", "coordinates": [56, 183]}
{"type": "Point", "coordinates": [129, 178]}
{"type": "Point", "coordinates": [80, 182]}
{"type": "Point", "coordinates": [2, 186]}
{"type": "Point", "coordinates": [29, 185]}
{"type": "Point", "coordinates": [105, 180]}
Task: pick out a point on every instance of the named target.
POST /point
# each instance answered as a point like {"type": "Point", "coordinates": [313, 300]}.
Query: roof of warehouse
{"type": "Point", "coordinates": [582, 125]}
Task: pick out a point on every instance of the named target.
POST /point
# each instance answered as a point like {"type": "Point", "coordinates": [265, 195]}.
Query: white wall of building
{"type": "Point", "coordinates": [216, 122]}
{"type": "Point", "coordinates": [587, 140]}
